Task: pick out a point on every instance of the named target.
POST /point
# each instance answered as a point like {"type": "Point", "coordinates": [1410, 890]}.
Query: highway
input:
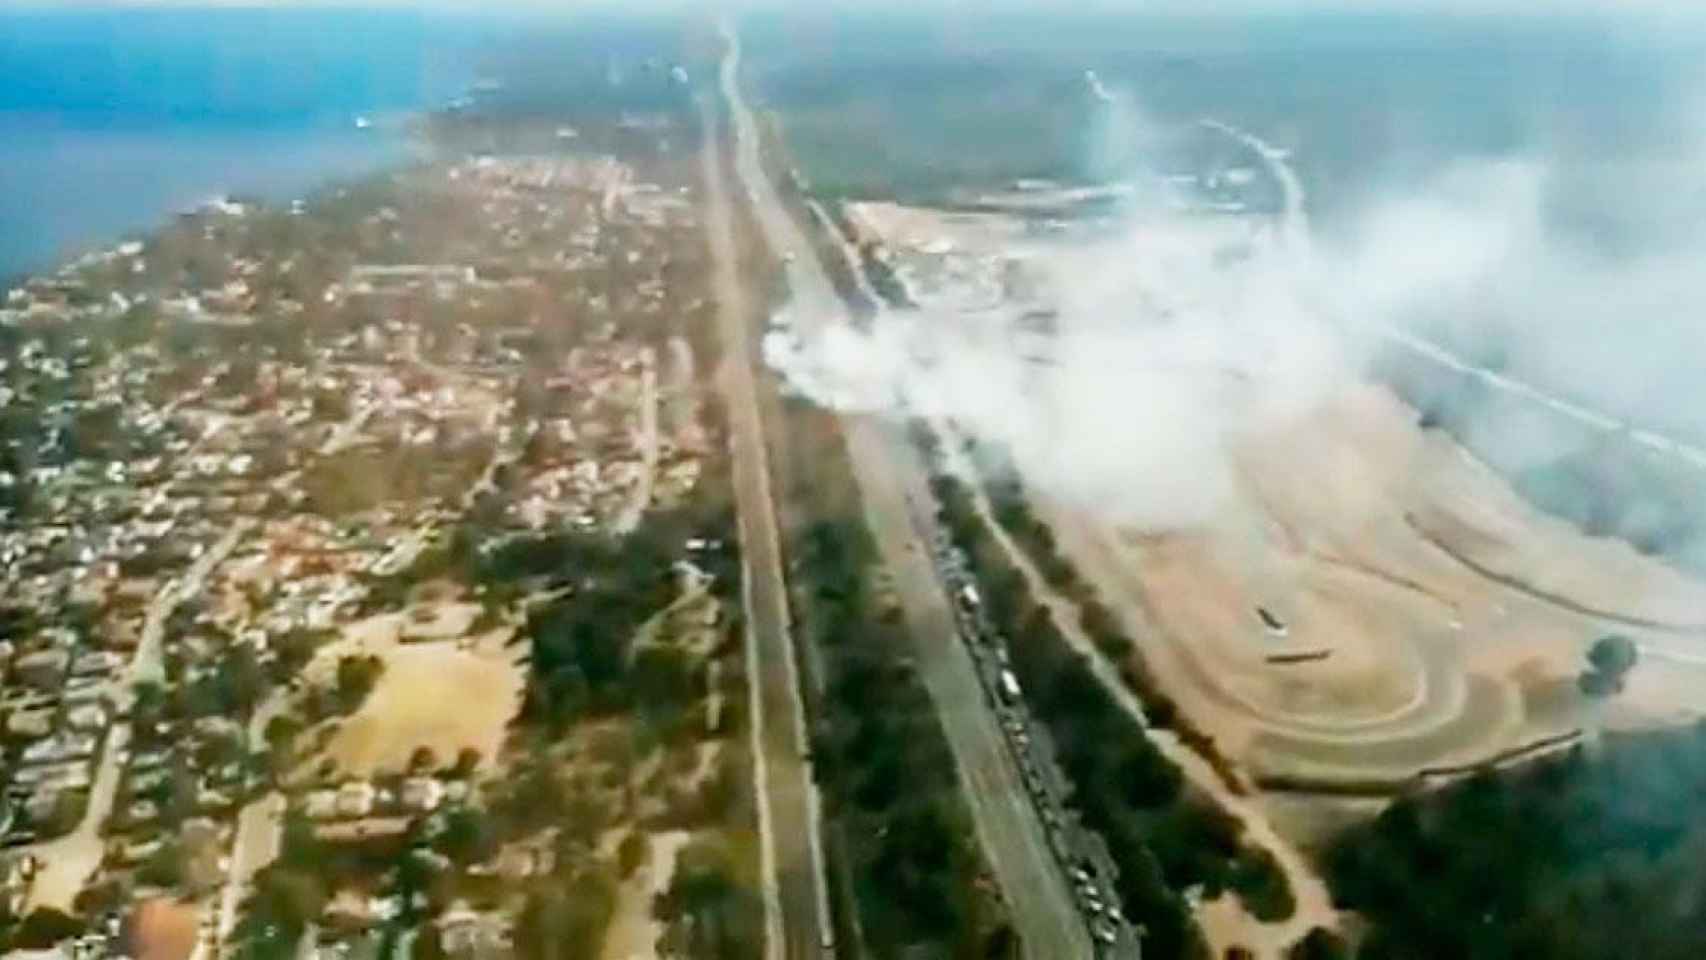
{"type": "Point", "coordinates": [1314, 903]}
{"type": "Point", "coordinates": [900, 511]}
{"type": "Point", "coordinates": [797, 919]}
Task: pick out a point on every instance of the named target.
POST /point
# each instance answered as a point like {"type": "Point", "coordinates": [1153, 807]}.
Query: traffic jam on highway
{"type": "Point", "coordinates": [1080, 852]}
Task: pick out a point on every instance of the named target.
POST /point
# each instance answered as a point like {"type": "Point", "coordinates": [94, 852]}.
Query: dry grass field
{"type": "Point", "coordinates": [434, 694]}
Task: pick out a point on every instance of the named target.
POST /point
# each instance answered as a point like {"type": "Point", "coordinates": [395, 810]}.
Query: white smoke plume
{"type": "Point", "coordinates": [1178, 334]}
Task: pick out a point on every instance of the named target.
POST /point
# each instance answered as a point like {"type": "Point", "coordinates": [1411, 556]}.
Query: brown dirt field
{"type": "Point", "coordinates": [1357, 682]}
{"type": "Point", "coordinates": [434, 695]}
{"type": "Point", "coordinates": [1430, 659]}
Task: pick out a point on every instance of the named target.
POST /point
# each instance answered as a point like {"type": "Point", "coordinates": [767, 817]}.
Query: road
{"type": "Point", "coordinates": [1314, 903]}
{"type": "Point", "coordinates": [642, 498]}
{"type": "Point", "coordinates": [796, 915]}
{"type": "Point", "coordinates": [68, 861]}
{"type": "Point", "coordinates": [260, 828]}
{"type": "Point", "coordinates": [900, 510]}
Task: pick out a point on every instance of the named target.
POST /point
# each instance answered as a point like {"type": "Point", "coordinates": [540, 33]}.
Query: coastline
{"type": "Point", "coordinates": [67, 192]}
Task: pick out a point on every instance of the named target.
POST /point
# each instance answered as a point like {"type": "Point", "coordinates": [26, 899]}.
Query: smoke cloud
{"type": "Point", "coordinates": [1179, 333]}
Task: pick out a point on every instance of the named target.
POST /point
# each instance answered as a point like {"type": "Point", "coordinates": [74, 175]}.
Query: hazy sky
{"type": "Point", "coordinates": [1691, 8]}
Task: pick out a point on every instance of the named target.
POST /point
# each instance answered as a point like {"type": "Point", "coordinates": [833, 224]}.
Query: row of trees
{"type": "Point", "coordinates": [883, 761]}
{"type": "Point", "coordinates": [896, 828]}
{"type": "Point", "coordinates": [1012, 510]}
{"type": "Point", "coordinates": [1164, 837]}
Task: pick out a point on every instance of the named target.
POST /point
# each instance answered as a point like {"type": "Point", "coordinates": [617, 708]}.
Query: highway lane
{"type": "Point", "coordinates": [900, 510]}
{"type": "Point", "coordinates": [796, 914]}
{"type": "Point", "coordinates": [1314, 903]}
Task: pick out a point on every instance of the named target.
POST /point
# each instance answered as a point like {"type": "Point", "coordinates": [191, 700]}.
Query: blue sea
{"type": "Point", "coordinates": [113, 119]}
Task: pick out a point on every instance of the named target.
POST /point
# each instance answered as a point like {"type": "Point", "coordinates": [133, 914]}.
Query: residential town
{"type": "Point", "coordinates": [256, 470]}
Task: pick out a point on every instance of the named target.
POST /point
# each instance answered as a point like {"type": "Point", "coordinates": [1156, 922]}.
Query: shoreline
{"type": "Point", "coordinates": [189, 169]}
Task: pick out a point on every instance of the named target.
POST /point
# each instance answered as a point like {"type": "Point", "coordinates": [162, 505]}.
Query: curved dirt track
{"type": "Point", "coordinates": [1543, 595]}
{"type": "Point", "coordinates": [1229, 924]}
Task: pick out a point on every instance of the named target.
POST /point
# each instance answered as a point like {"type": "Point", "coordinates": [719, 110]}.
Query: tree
{"type": "Point", "coordinates": [66, 814]}
{"type": "Point", "coordinates": [240, 682]}
{"type": "Point", "coordinates": [299, 845]}
{"type": "Point", "coordinates": [165, 868]}
{"type": "Point", "coordinates": [428, 944]}
{"type": "Point", "coordinates": [1319, 944]}
{"type": "Point", "coordinates": [662, 678]}
{"type": "Point", "coordinates": [423, 760]}
{"type": "Point", "coordinates": [284, 902]}
{"type": "Point", "coordinates": [357, 676]}
{"type": "Point", "coordinates": [148, 702]}
{"type": "Point", "coordinates": [566, 922]}
{"type": "Point", "coordinates": [1002, 944]}
{"type": "Point", "coordinates": [43, 927]}
{"type": "Point", "coordinates": [705, 913]}
{"type": "Point", "coordinates": [291, 652]}
{"type": "Point", "coordinates": [467, 762]}
{"type": "Point", "coordinates": [468, 836]}
{"type": "Point", "coordinates": [1609, 661]}
{"type": "Point", "coordinates": [632, 852]}
{"type": "Point", "coordinates": [281, 732]}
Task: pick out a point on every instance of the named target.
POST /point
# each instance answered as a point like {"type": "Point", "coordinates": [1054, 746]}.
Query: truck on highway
{"type": "Point", "coordinates": [1009, 686]}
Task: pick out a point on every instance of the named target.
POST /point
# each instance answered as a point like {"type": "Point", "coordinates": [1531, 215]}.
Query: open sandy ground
{"type": "Point", "coordinates": [446, 694]}
{"type": "Point", "coordinates": [633, 931]}
{"type": "Point", "coordinates": [1423, 613]}
{"type": "Point", "coordinates": [1375, 544]}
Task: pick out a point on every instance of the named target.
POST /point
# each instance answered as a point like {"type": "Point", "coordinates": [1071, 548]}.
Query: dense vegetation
{"type": "Point", "coordinates": [1594, 854]}
{"type": "Point", "coordinates": [905, 874]}
{"type": "Point", "coordinates": [1164, 837]}
{"type": "Point", "coordinates": [895, 821]}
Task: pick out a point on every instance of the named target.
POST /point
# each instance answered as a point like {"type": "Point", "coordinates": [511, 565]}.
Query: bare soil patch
{"type": "Point", "coordinates": [433, 694]}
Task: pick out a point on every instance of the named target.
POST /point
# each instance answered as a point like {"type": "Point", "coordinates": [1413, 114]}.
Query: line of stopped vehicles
{"type": "Point", "coordinates": [1081, 854]}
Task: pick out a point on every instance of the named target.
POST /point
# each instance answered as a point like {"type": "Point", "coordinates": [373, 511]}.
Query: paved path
{"type": "Point", "coordinates": [901, 512]}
